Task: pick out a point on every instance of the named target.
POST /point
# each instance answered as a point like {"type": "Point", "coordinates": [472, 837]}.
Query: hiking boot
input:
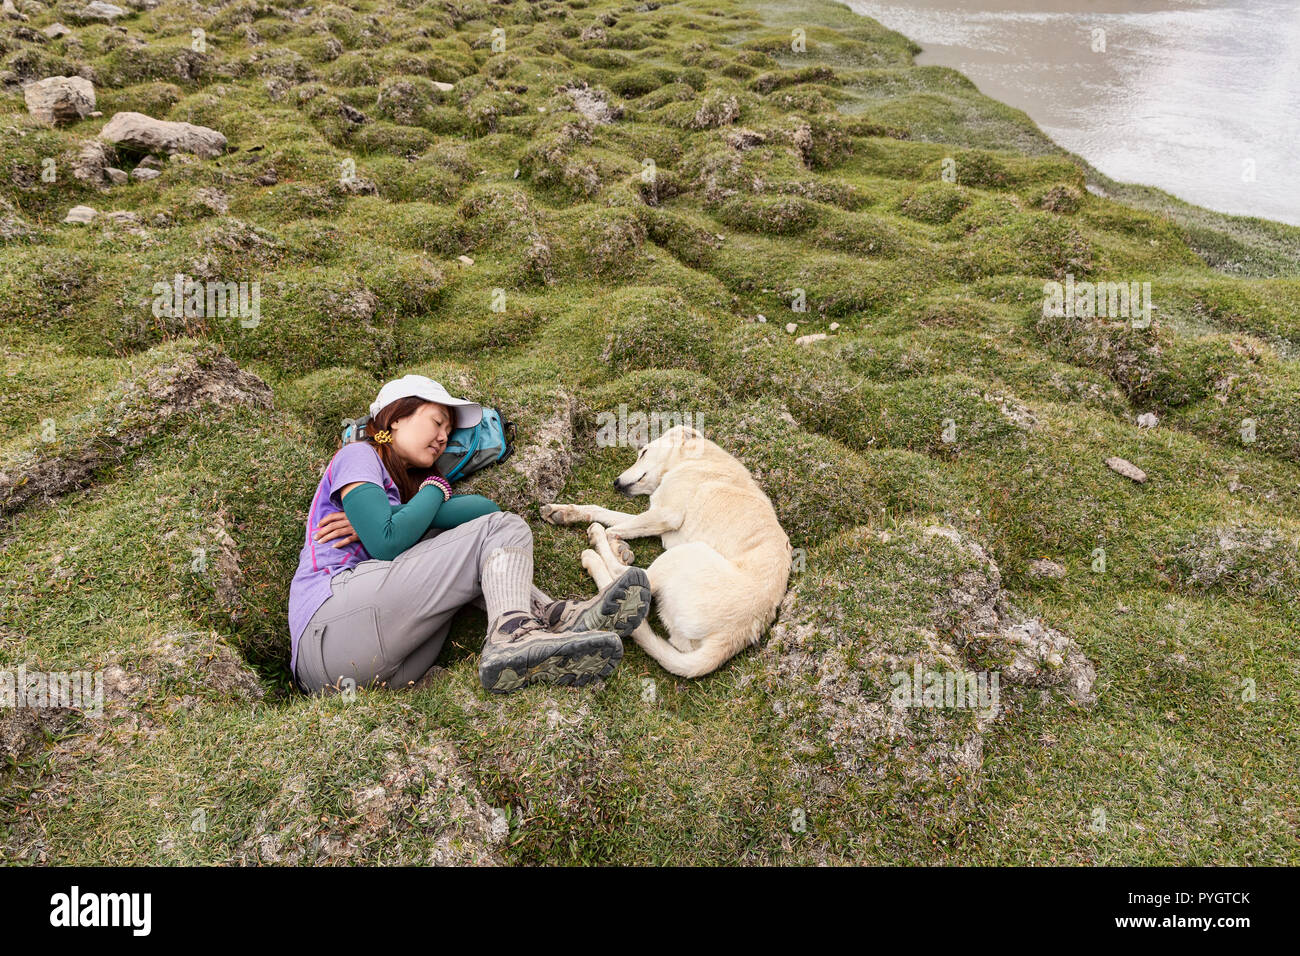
{"type": "Point", "coordinates": [521, 650]}
{"type": "Point", "coordinates": [619, 607]}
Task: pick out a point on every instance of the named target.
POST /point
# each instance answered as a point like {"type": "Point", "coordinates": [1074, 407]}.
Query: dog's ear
{"type": "Point", "coordinates": [691, 441]}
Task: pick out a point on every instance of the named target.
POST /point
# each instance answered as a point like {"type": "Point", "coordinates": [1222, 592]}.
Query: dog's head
{"type": "Point", "coordinates": [657, 458]}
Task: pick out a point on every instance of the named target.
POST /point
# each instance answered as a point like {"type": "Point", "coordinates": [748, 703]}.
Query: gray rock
{"type": "Point", "coordinates": [60, 99]}
{"type": "Point", "coordinates": [117, 177]}
{"type": "Point", "coordinates": [143, 173]}
{"type": "Point", "coordinates": [1127, 469]}
{"type": "Point", "coordinates": [143, 133]}
{"type": "Point", "coordinates": [359, 187]}
{"type": "Point", "coordinates": [80, 214]}
{"type": "Point", "coordinates": [99, 11]}
{"type": "Point", "coordinates": [56, 30]}
{"type": "Point", "coordinates": [91, 163]}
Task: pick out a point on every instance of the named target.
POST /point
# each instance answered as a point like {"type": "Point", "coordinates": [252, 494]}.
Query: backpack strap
{"type": "Point", "coordinates": [469, 454]}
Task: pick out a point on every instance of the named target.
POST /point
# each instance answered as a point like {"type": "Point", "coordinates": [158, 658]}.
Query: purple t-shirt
{"type": "Point", "coordinates": [355, 461]}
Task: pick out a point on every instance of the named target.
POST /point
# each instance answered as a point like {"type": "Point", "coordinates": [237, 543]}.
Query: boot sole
{"type": "Point", "coordinates": [574, 661]}
{"type": "Point", "coordinates": [623, 607]}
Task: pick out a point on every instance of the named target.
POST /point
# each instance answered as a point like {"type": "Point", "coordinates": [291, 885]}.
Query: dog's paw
{"type": "Point", "coordinates": [559, 514]}
{"type": "Point", "coordinates": [620, 548]}
{"type": "Point", "coordinates": [592, 563]}
{"type": "Point", "coordinates": [599, 535]}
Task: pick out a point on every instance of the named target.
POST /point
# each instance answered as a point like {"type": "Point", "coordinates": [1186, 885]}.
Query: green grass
{"type": "Point", "coordinates": [843, 189]}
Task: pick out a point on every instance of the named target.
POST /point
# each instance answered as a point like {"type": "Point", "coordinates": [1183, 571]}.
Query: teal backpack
{"type": "Point", "coordinates": [468, 449]}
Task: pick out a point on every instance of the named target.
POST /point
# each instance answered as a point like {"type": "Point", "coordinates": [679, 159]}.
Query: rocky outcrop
{"type": "Point", "coordinates": [979, 611]}
{"type": "Point", "coordinates": [545, 462]}
{"type": "Point", "coordinates": [716, 110]}
{"type": "Point", "coordinates": [899, 654]}
{"type": "Point", "coordinates": [1253, 560]}
{"type": "Point", "coordinates": [204, 377]}
{"type": "Point", "coordinates": [593, 105]}
{"type": "Point", "coordinates": [422, 785]}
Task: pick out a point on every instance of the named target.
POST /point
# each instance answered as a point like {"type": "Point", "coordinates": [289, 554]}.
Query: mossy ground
{"type": "Point", "coordinates": [777, 179]}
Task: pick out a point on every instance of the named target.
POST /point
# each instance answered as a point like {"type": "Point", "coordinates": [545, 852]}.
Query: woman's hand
{"type": "Point", "coordinates": [333, 526]}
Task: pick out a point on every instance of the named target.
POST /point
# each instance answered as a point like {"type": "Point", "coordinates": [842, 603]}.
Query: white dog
{"type": "Point", "coordinates": [727, 563]}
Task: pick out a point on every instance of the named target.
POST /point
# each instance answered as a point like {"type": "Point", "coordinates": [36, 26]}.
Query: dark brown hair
{"type": "Point", "coordinates": [407, 479]}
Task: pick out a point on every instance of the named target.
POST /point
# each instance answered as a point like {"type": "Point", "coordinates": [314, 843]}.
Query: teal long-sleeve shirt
{"type": "Point", "coordinates": [386, 530]}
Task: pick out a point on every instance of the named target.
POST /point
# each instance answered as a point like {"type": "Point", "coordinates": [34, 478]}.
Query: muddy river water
{"type": "Point", "coordinates": [1200, 98]}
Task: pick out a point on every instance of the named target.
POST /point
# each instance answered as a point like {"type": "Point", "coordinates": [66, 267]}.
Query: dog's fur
{"type": "Point", "coordinates": [727, 563]}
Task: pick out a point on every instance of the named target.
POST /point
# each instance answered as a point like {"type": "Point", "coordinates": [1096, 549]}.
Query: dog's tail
{"type": "Point", "coordinates": [716, 650]}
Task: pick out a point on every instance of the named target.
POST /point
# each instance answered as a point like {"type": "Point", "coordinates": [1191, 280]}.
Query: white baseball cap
{"type": "Point", "coordinates": [467, 413]}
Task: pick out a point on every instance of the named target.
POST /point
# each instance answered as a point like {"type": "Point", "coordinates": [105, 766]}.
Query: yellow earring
{"type": "Point", "coordinates": [382, 436]}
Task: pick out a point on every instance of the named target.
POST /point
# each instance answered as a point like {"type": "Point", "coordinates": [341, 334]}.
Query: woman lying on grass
{"type": "Point", "coordinates": [376, 606]}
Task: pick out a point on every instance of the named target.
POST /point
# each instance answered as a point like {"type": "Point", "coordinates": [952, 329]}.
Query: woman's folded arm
{"type": "Point", "coordinates": [386, 530]}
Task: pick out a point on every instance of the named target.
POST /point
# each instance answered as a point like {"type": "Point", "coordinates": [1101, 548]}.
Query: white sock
{"type": "Point", "coordinates": [539, 600]}
{"type": "Point", "coordinates": [507, 577]}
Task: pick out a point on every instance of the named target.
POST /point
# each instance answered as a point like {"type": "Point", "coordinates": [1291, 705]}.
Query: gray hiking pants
{"type": "Point", "coordinates": [386, 621]}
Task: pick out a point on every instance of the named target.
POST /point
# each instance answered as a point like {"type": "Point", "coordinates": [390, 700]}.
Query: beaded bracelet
{"type": "Point", "coordinates": [439, 482]}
